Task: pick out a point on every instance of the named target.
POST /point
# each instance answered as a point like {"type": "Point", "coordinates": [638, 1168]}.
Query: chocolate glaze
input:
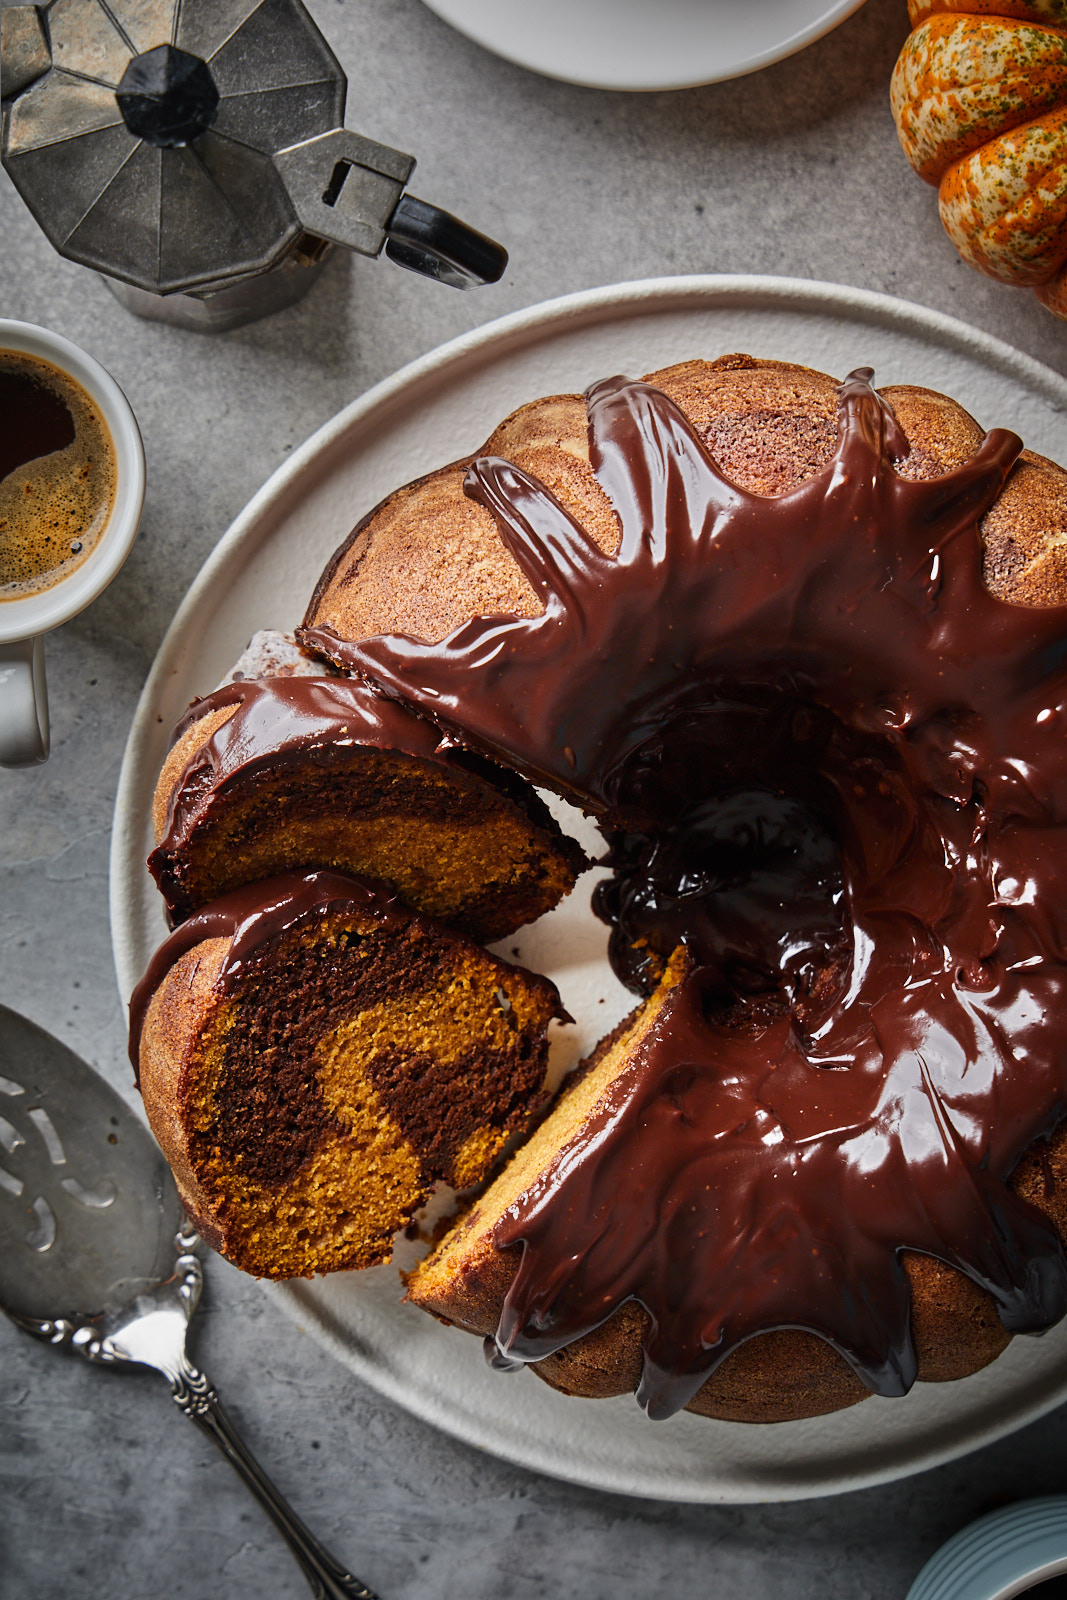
{"type": "Point", "coordinates": [251, 917]}
{"type": "Point", "coordinates": [836, 767]}
{"type": "Point", "coordinates": [749, 875]}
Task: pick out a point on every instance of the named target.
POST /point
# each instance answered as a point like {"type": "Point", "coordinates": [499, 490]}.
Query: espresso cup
{"type": "Point", "coordinates": [26, 618]}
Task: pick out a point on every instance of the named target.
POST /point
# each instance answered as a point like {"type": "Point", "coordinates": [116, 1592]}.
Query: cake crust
{"type": "Point", "coordinates": [428, 557]}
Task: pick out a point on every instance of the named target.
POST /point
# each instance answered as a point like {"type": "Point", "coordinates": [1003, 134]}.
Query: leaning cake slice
{"type": "Point", "coordinates": [293, 772]}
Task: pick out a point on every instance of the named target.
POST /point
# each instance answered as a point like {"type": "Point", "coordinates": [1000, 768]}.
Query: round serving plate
{"type": "Point", "coordinates": [437, 409]}
{"type": "Point", "coordinates": [643, 44]}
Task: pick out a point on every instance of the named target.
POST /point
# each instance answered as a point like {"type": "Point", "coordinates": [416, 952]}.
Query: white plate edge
{"type": "Point", "coordinates": [817, 29]}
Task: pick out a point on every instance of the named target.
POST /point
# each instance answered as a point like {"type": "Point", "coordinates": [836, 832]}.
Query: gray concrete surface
{"type": "Point", "coordinates": [104, 1490]}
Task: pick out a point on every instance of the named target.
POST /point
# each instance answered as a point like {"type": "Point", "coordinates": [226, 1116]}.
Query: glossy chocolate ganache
{"type": "Point", "coordinates": [833, 767]}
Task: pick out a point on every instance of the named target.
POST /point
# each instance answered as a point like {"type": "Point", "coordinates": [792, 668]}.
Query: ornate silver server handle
{"type": "Point", "coordinates": [150, 1332]}
{"type": "Point", "coordinates": [194, 1395]}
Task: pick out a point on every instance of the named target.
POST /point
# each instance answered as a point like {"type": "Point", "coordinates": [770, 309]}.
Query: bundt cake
{"type": "Point", "coordinates": [314, 1056]}
{"type": "Point", "coordinates": [290, 771]}
{"type": "Point", "coordinates": [801, 648]}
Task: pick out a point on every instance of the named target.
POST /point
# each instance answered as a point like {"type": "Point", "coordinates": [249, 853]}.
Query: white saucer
{"type": "Point", "coordinates": [442, 407]}
{"type": "Point", "coordinates": [643, 44]}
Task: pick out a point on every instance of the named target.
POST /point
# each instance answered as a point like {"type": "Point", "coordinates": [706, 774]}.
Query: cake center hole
{"type": "Point", "coordinates": [759, 800]}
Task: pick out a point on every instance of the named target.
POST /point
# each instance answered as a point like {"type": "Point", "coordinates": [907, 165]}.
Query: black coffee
{"type": "Point", "coordinates": [1051, 1589]}
{"type": "Point", "coordinates": [57, 475]}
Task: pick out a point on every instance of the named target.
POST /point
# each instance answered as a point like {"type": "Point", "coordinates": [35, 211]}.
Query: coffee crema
{"type": "Point", "coordinates": [58, 475]}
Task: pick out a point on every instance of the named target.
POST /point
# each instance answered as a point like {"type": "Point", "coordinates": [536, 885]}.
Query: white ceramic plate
{"type": "Point", "coordinates": [437, 409]}
{"type": "Point", "coordinates": [643, 44]}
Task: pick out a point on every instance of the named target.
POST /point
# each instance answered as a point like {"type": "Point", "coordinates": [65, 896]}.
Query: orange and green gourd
{"type": "Point", "coordinates": [979, 97]}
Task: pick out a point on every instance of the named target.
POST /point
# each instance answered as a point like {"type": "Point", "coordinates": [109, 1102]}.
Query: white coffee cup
{"type": "Point", "coordinates": [24, 621]}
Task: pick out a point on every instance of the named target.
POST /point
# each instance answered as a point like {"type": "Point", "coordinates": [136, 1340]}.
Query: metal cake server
{"type": "Point", "coordinates": [97, 1258]}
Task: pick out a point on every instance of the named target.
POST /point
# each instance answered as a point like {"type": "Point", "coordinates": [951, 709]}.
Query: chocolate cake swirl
{"type": "Point", "coordinates": [250, 918]}
{"type": "Point", "coordinates": [314, 1056]}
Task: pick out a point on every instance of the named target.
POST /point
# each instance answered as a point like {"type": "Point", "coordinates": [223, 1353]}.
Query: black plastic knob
{"type": "Point", "coordinates": [167, 96]}
{"type": "Point", "coordinates": [425, 239]}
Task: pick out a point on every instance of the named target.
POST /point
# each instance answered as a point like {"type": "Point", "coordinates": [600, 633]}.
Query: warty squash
{"type": "Point", "coordinates": [979, 96]}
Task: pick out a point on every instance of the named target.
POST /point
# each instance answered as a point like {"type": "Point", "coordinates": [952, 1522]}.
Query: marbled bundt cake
{"type": "Point", "coordinates": [314, 1056]}
{"type": "Point", "coordinates": [800, 647]}
{"type": "Point", "coordinates": [291, 771]}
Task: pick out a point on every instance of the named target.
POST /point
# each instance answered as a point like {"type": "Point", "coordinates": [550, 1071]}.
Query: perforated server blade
{"type": "Point", "coordinates": [96, 1257]}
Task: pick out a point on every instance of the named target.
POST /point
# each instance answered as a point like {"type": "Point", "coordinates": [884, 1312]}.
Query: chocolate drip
{"type": "Point", "coordinates": [251, 917]}
{"type": "Point", "coordinates": [826, 670]}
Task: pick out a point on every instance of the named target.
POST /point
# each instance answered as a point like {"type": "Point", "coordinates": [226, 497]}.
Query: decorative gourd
{"type": "Point", "coordinates": [979, 97]}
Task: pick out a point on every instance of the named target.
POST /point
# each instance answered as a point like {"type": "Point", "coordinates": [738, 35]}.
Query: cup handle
{"type": "Point", "coordinates": [23, 704]}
